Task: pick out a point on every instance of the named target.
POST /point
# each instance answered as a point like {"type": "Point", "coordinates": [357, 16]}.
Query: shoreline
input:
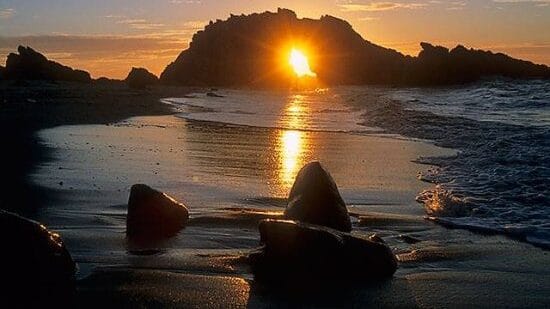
{"type": "Point", "coordinates": [35, 105]}
{"type": "Point", "coordinates": [205, 260]}
{"type": "Point", "coordinates": [443, 264]}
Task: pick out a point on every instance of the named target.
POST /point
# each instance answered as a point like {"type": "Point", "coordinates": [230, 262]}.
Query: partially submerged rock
{"type": "Point", "coordinates": [314, 198]}
{"type": "Point", "coordinates": [153, 214]}
{"type": "Point", "coordinates": [299, 250]}
{"type": "Point", "coordinates": [34, 262]}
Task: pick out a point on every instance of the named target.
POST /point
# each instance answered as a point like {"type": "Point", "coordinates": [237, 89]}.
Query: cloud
{"type": "Point", "coordinates": [186, 1]}
{"type": "Point", "coordinates": [140, 24]}
{"type": "Point", "coordinates": [535, 2]}
{"type": "Point", "coordinates": [457, 5]}
{"type": "Point", "coordinates": [369, 18]}
{"type": "Point", "coordinates": [6, 13]}
{"type": "Point", "coordinates": [379, 6]}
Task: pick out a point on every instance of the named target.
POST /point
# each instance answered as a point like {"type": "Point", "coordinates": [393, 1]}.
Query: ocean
{"type": "Point", "coordinates": [499, 180]}
{"type": "Point", "coordinates": [472, 158]}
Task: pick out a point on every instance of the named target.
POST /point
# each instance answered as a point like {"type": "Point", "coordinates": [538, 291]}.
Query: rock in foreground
{"type": "Point", "coordinates": [153, 214]}
{"type": "Point", "coordinates": [35, 265]}
{"type": "Point", "coordinates": [300, 250]}
{"type": "Point", "coordinates": [314, 198]}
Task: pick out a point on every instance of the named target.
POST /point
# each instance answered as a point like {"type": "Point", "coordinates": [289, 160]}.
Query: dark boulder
{"type": "Point", "coordinates": [140, 78]}
{"type": "Point", "coordinates": [32, 65]}
{"type": "Point", "coordinates": [153, 214]}
{"type": "Point", "coordinates": [2, 70]}
{"type": "Point", "coordinates": [34, 262]}
{"type": "Point", "coordinates": [314, 198]}
{"type": "Point", "coordinates": [294, 249]}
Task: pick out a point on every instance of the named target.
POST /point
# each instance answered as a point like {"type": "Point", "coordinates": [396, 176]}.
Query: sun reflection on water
{"type": "Point", "coordinates": [291, 149]}
{"type": "Point", "coordinates": [292, 143]}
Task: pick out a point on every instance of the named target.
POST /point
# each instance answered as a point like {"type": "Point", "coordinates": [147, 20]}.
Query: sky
{"type": "Point", "coordinates": [107, 38]}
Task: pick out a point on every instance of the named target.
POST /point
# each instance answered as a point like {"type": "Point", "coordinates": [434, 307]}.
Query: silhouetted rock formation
{"type": "Point", "coordinates": [106, 81]}
{"type": "Point", "coordinates": [31, 65]}
{"type": "Point", "coordinates": [2, 70]}
{"type": "Point", "coordinates": [299, 251]}
{"type": "Point", "coordinates": [314, 198]}
{"type": "Point", "coordinates": [438, 65]}
{"type": "Point", "coordinates": [139, 78]}
{"type": "Point", "coordinates": [34, 263]}
{"type": "Point", "coordinates": [153, 214]}
{"type": "Point", "coordinates": [248, 50]}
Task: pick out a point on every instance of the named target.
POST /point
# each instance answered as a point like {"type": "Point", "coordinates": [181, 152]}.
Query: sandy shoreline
{"type": "Point", "coordinates": [202, 265]}
{"type": "Point", "coordinates": [26, 107]}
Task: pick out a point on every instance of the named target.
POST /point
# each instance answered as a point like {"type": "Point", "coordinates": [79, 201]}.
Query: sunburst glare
{"type": "Point", "coordinates": [300, 64]}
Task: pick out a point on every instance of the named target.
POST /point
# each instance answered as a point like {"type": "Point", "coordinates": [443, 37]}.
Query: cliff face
{"type": "Point", "coordinates": [250, 50]}
{"type": "Point", "coordinates": [31, 65]}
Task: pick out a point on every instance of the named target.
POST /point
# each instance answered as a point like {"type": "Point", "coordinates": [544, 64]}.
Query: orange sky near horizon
{"type": "Point", "coordinates": [107, 38]}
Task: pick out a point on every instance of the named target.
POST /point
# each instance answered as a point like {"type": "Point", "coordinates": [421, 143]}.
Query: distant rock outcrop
{"type": "Point", "coordinates": [250, 50]}
{"type": "Point", "coordinates": [31, 65]}
{"type": "Point", "coordinates": [107, 81]}
{"type": "Point", "coordinates": [139, 78]}
{"type": "Point", "coordinates": [314, 198]}
{"type": "Point", "coordinates": [153, 214]}
{"type": "Point", "coordinates": [438, 65]}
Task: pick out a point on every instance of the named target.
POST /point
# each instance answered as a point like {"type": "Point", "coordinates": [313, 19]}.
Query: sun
{"type": "Point", "coordinates": [300, 64]}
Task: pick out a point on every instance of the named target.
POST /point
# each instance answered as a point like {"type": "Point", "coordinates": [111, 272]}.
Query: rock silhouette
{"type": "Point", "coordinates": [34, 262]}
{"type": "Point", "coordinates": [31, 65]}
{"type": "Point", "coordinates": [314, 198]}
{"type": "Point", "coordinates": [153, 214]}
{"type": "Point", "coordinates": [2, 70]}
{"type": "Point", "coordinates": [248, 50]}
{"type": "Point", "coordinates": [140, 78]}
{"type": "Point", "coordinates": [300, 251]}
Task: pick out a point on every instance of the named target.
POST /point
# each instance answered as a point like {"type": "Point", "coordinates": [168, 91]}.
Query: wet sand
{"type": "Point", "coordinates": [29, 106]}
{"type": "Point", "coordinates": [230, 177]}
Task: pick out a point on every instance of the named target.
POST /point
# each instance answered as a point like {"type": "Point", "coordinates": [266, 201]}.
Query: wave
{"type": "Point", "coordinates": [499, 180]}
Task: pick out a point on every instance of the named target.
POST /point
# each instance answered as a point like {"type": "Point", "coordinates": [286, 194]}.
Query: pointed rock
{"type": "Point", "coordinates": [314, 198]}
{"type": "Point", "coordinates": [153, 214]}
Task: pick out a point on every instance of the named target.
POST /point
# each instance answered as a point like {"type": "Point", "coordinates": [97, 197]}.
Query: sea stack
{"type": "Point", "coordinates": [314, 198]}
{"type": "Point", "coordinates": [153, 214]}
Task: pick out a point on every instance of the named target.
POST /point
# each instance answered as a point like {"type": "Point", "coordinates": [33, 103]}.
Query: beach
{"type": "Point", "coordinates": [231, 172]}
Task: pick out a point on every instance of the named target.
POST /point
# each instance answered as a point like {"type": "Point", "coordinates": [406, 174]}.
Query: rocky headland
{"type": "Point", "coordinates": [250, 50]}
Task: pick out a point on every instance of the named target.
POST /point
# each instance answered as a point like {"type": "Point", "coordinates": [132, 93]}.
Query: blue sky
{"type": "Point", "coordinates": [108, 37]}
